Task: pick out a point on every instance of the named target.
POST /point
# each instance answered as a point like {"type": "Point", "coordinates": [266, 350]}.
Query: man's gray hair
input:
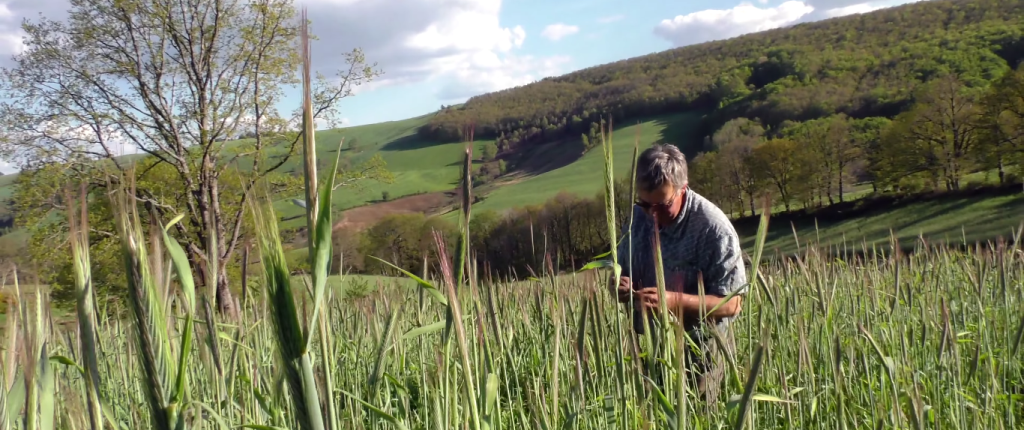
{"type": "Point", "coordinates": [660, 164]}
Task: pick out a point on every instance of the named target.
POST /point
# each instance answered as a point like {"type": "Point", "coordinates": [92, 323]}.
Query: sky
{"type": "Point", "coordinates": [441, 52]}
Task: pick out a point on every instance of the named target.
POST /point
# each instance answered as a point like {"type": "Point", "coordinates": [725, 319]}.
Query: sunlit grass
{"type": "Point", "coordinates": [879, 341]}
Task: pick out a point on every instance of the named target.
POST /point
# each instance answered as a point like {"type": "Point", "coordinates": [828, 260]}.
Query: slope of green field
{"type": "Point", "coordinates": [943, 219]}
{"type": "Point", "coordinates": [418, 166]}
{"type": "Point", "coordinates": [7, 186]}
{"type": "Point", "coordinates": [585, 177]}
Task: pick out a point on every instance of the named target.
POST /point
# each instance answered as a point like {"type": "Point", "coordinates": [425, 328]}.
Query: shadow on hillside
{"type": "Point", "coordinates": [476, 162]}
{"type": "Point", "coordinates": [545, 157]}
{"type": "Point", "coordinates": [933, 205]}
{"type": "Point", "coordinates": [684, 132]}
{"type": "Point", "coordinates": [408, 143]}
{"type": "Point", "coordinates": [344, 148]}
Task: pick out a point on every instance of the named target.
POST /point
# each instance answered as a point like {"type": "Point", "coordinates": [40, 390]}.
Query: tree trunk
{"type": "Point", "coordinates": [225, 300]}
{"type": "Point", "coordinates": [841, 187]}
{"type": "Point", "coordinates": [222, 293]}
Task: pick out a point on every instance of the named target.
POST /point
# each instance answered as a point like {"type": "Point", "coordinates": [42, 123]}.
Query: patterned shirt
{"type": "Point", "coordinates": [700, 241]}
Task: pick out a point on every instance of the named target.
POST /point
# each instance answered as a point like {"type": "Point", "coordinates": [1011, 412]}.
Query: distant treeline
{"type": "Point", "coordinates": [862, 66]}
{"type": "Point", "coordinates": [952, 130]}
{"type": "Point", "coordinates": [564, 233]}
{"type": "Point", "coordinates": [570, 228]}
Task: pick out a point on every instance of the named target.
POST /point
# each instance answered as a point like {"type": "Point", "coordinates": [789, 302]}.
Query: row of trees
{"type": "Point", "coordinates": [171, 81]}
{"type": "Point", "coordinates": [568, 228]}
{"type": "Point", "coordinates": [951, 130]}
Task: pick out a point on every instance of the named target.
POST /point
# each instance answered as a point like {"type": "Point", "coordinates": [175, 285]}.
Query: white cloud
{"type": "Point", "coordinates": [610, 19]}
{"type": "Point", "coordinates": [11, 44]}
{"type": "Point", "coordinates": [850, 10]}
{"type": "Point", "coordinates": [716, 24]}
{"type": "Point", "coordinates": [427, 40]}
{"type": "Point", "coordinates": [504, 73]}
{"type": "Point", "coordinates": [10, 33]}
{"type": "Point", "coordinates": [559, 30]}
{"type": "Point", "coordinates": [824, 9]}
{"type": "Point", "coordinates": [410, 40]}
{"type": "Point", "coordinates": [8, 168]}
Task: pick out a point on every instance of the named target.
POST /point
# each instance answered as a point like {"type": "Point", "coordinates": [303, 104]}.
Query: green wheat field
{"type": "Point", "coordinates": [874, 340]}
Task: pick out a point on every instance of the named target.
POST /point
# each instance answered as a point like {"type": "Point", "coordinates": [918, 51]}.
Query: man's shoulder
{"type": "Point", "coordinates": [711, 216]}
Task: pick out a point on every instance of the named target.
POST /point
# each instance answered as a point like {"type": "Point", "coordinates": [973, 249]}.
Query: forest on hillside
{"type": "Point", "coordinates": [953, 129]}
{"type": "Point", "coordinates": [910, 99]}
{"type": "Point", "coordinates": [862, 66]}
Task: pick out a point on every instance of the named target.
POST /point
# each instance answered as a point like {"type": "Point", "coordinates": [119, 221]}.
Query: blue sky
{"type": "Point", "coordinates": [436, 52]}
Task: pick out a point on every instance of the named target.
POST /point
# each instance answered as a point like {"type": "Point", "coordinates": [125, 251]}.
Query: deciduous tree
{"type": "Point", "coordinates": [940, 134]}
{"type": "Point", "coordinates": [1002, 123]}
{"type": "Point", "coordinates": [735, 142]}
{"type": "Point", "coordinates": [779, 162]}
{"type": "Point", "coordinates": [172, 80]}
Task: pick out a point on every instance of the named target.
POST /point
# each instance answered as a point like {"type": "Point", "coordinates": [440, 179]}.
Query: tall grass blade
{"type": "Point", "coordinates": [79, 241]}
{"type": "Point", "coordinates": [288, 333]}
{"type": "Point", "coordinates": [148, 311]}
{"type": "Point", "coordinates": [308, 131]}
{"type": "Point", "coordinates": [179, 261]}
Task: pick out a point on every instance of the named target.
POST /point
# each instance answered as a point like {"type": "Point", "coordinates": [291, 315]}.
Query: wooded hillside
{"type": "Point", "coordinates": [862, 66]}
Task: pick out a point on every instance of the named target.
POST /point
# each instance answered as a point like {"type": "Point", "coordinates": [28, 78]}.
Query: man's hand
{"type": "Point", "coordinates": [687, 306]}
{"type": "Point", "coordinates": [648, 298]}
{"type": "Point", "coordinates": [622, 289]}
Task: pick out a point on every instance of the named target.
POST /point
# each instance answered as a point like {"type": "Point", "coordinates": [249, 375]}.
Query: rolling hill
{"type": "Point", "coordinates": [865, 65]}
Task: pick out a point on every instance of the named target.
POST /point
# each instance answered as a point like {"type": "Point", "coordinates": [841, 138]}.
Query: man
{"type": "Point", "coordinates": [697, 241]}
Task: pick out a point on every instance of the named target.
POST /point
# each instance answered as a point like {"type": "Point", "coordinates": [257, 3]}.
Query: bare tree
{"type": "Point", "coordinates": [174, 80]}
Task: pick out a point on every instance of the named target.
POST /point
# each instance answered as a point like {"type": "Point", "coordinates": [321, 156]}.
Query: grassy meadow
{"type": "Point", "coordinates": [954, 220]}
{"type": "Point", "coordinates": [930, 340]}
{"type": "Point", "coordinates": [881, 339]}
{"type": "Point", "coordinates": [884, 344]}
{"type": "Point", "coordinates": [583, 177]}
{"type": "Point", "coordinates": [423, 167]}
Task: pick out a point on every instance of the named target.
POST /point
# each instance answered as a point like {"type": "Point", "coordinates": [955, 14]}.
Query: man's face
{"type": "Point", "coordinates": [662, 203]}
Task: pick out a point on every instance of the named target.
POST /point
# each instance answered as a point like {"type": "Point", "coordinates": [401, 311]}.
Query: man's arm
{"type": "Point", "coordinates": [688, 306]}
{"type": "Point", "coordinates": [723, 273]}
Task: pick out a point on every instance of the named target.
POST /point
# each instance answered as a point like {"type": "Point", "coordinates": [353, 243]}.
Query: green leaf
{"type": "Point", "coordinates": [321, 249]}
{"type": "Point", "coordinates": [491, 394]}
{"type": "Point", "coordinates": [735, 399]}
{"type": "Point", "coordinates": [427, 329]}
{"type": "Point", "coordinates": [47, 394]}
{"type": "Point", "coordinates": [377, 411]}
{"type": "Point", "coordinates": [67, 362]}
{"type": "Point", "coordinates": [434, 292]}
{"type": "Point", "coordinates": [173, 221]}
{"type": "Point", "coordinates": [599, 264]}
{"type": "Point", "coordinates": [181, 267]}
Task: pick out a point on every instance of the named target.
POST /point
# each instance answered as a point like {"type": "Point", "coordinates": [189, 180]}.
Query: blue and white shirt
{"type": "Point", "coordinates": [700, 241]}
